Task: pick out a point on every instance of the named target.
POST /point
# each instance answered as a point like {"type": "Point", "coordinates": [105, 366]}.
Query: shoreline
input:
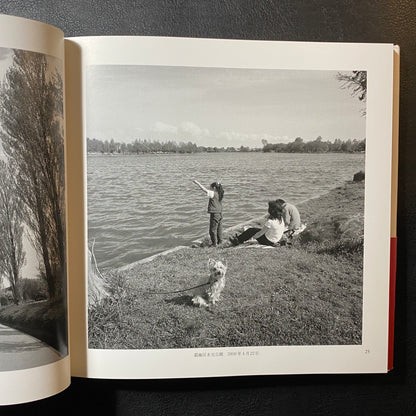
{"type": "Point", "coordinates": [200, 241]}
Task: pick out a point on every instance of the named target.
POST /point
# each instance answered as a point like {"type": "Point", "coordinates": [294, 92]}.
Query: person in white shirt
{"type": "Point", "coordinates": [272, 230]}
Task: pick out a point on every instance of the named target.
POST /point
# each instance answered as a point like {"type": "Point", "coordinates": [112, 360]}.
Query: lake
{"type": "Point", "coordinates": [139, 205]}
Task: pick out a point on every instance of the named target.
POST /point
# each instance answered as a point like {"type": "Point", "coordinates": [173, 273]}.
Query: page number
{"type": "Point", "coordinates": [366, 351]}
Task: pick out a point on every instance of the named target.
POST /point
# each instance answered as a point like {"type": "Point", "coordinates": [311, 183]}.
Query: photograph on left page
{"type": "Point", "coordinates": [33, 304]}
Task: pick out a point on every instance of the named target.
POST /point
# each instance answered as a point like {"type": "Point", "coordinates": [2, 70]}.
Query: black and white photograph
{"type": "Point", "coordinates": [33, 305]}
{"type": "Point", "coordinates": [225, 206]}
{"type": "Point", "coordinates": [207, 208]}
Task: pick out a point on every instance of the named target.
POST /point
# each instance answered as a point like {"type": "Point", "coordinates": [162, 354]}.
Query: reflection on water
{"type": "Point", "coordinates": [141, 205]}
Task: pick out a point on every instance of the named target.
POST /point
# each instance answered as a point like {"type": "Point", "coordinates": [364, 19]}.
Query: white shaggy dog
{"type": "Point", "coordinates": [210, 294]}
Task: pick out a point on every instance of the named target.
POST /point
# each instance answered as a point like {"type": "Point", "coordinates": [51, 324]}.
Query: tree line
{"type": "Point", "coordinates": [32, 171]}
{"type": "Point", "coordinates": [155, 146]}
{"type": "Point", "coordinates": [316, 146]}
{"type": "Point", "coordinates": [297, 146]}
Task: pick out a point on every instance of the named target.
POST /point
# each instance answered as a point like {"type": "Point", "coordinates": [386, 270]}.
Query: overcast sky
{"type": "Point", "coordinates": [217, 106]}
{"type": "Point", "coordinates": [5, 60]}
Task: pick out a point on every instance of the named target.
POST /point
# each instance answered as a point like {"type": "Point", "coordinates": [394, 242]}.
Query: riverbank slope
{"type": "Point", "coordinates": [307, 294]}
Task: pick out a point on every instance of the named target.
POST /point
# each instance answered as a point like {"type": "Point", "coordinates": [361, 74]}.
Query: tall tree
{"type": "Point", "coordinates": [31, 109]}
{"type": "Point", "coordinates": [356, 82]}
{"type": "Point", "coordinates": [12, 256]}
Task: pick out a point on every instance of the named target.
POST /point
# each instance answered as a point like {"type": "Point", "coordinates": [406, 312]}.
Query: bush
{"type": "Point", "coordinates": [334, 229]}
{"type": "Point", "coordinates": [33, 289]}
{"type": "Point", "coordinates": [6, 298]}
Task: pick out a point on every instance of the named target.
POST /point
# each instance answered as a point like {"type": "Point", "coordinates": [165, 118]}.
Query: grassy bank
{"type": "Point", "coordinates": [45, 320]}
{"type": "Point", "coordinates": [307, 294]}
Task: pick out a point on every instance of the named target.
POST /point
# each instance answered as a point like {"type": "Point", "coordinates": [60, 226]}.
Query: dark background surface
{"type": "Point", "coordinates": [296, 20]}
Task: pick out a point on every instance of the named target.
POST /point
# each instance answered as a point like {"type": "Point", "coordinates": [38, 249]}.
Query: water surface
{"type": "Point", "coordinates": [139, 205]}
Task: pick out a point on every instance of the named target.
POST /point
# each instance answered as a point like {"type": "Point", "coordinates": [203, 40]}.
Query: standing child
{"type": "Point", "coordinates": [215, 195]}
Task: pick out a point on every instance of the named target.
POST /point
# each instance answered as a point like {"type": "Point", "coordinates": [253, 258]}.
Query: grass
{"type": "Point", "coordinates": [307, 294]}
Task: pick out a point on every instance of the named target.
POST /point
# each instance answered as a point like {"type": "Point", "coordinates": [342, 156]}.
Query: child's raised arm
{"type": "Point", "coordinates": [201, 186]}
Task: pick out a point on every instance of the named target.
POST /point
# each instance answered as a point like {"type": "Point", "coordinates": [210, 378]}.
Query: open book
{"type": "Point", "coordinates": [111, 150]}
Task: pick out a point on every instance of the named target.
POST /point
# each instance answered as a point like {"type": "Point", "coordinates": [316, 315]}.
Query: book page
{"type": "Point", "coordinates": [34, 360]}
{"type": "Point", "coordinates": [237, 207]}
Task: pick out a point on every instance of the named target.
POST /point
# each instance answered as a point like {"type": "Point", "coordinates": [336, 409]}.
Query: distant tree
{"type": "Point", "coordinates": [296, 146]}
{"type": "Point", "coordinates": [31, 109]}
{"type": "Point", "coordinates": [12, 256]}
{"type": "Point", "coordinates": [269, 147]}
{"type": "Point", "coordinates": [361, 146]}
{"type": "Point", "coordinates": [336, 147]}
{"type": "Point", "coordinates": [112, 146]}
{"type": "Point", "coordinates": [347, 146]}
{"type": "Point", "coordinates": [319, 145]}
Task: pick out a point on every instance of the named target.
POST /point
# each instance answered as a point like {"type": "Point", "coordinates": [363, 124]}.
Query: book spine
{"type": "Point", "coordinates": [392, 301]}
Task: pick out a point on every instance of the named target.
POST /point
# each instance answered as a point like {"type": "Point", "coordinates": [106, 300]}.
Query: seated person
{"type": "Point", "coordinates": [272, 230]}
{"type": "Point", "coordinates": [291, 215]}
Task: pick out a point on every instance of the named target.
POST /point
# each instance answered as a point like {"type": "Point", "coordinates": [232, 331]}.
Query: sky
{"type": "Point", "coordinates": [219, 106]}
{"type": "Point", "coordinates": [5, 60]}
